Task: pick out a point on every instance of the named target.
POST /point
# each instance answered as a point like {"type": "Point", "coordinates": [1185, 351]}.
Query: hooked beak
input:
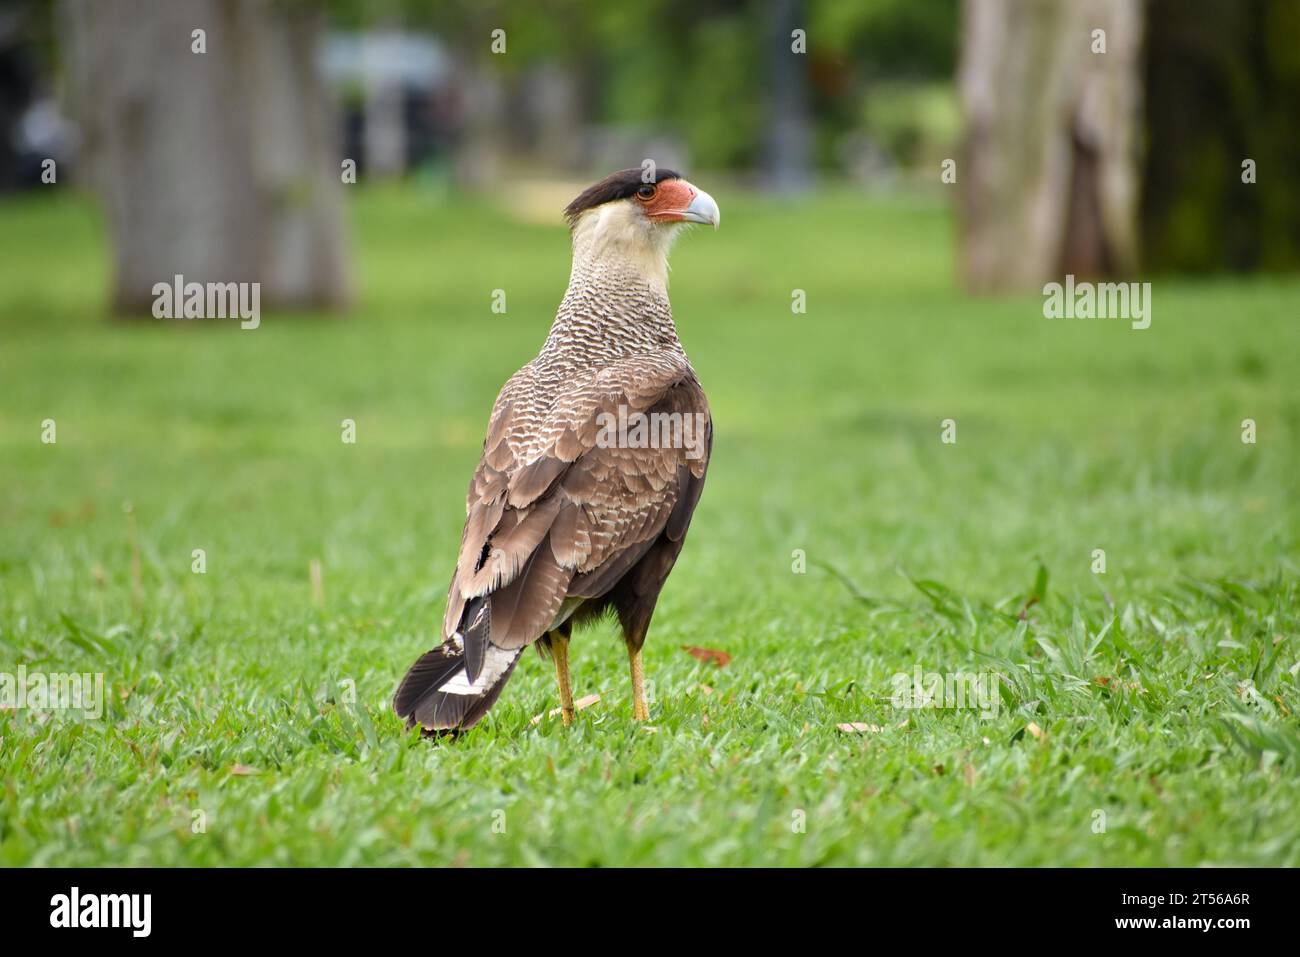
{"type": "Point", "coordinates": [702, 209]}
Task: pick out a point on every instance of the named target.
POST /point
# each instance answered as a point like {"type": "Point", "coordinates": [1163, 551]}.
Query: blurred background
{"type": "Point", "coordinates": [898, 179]}
{"type": "Point", "coordinates": [1067, 150]}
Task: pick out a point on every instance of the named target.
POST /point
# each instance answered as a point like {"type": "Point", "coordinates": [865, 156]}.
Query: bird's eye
{"type": "Point", "coordinates": [647, 192]}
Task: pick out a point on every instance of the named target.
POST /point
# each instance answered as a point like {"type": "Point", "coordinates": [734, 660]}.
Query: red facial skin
{"type": "Point", "coordinates": [669, 201]}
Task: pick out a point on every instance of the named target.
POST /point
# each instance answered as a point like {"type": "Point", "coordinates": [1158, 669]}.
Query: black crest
{"type": "Point", "coordinates": [618, 185]}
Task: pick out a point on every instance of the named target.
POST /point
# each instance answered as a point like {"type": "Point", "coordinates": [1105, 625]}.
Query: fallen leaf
{"type": "Point", "coordinates": [243, 770]}
{"type": "Point", "coordinates": [859, 727]}
{"type": "Point", "coordinates": [969, 774]}
{"type": "Point", "coordinates": [719, 658]}
{"type": "Point", "coordinates": [1035, 730]}
{"type": "Point", "coordinates": [706, 690]}
{"type": "Point", "coordinates": [578, 705]}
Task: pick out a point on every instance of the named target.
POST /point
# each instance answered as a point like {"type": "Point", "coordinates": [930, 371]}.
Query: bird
{"type": "Point", "coordinates": [594, 460]}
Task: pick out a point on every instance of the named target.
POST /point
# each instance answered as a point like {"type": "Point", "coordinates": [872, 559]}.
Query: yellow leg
{"type": "Point", "coordinates": [639, 711]}
{"type": "Point", "coordinates": [560, 652]}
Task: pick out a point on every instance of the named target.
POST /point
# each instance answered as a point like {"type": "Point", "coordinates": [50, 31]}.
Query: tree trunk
{"type": "Point", "coordinates": [385, 116]}
{"type": "Point", "coordinates": [483, 147]}
{"type": "Point", "coordinates": [1048, 172]}
{"type": "Point", "coordinates": [789, 136]}
{"type": "Point", "coordinates": [220, 166]}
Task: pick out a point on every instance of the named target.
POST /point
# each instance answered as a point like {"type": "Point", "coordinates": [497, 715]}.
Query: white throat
{"type": "Point", "coordinates": [618, 237]}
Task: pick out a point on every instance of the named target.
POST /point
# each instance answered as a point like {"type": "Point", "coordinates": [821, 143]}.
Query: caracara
{"type": "Point", "coordinates": [594, 460]}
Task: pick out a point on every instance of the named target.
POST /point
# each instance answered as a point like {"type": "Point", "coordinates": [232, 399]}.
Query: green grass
{"type": "Point", "coordinates": [1162, 693]}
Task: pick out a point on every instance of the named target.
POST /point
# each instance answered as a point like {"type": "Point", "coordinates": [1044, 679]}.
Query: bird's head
{"type": "Point", "coordinates": [637, 212]}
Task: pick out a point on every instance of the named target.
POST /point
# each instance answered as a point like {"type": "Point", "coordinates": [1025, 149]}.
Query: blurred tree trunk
{"type": "Point", "coordinates": [788, 129]}
{"type": "Point", "coordinates": [219, 166]}
{"type": "Point", "coordinates": [385, 116]}
{"type": "Point", "coordinates": [483, 149]}
{"type": "Point", "coordinates": [555, 114]}
{"type": "Point", "coordinates": [1048, 174]}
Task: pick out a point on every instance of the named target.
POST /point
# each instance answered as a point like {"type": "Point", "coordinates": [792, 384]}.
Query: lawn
{"type": "Point", "coordinates": [1145, 715]}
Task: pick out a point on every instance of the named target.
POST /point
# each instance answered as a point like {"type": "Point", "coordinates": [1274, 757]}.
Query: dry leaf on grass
{"type": "Point", "coordinates": [719, 658]}
{"type": "Point", "coordinates": [578, 705]}
{"type": "Point", "coordinates": [1035, 730]}
{"type": "Point", "coordinates": [243, 770]}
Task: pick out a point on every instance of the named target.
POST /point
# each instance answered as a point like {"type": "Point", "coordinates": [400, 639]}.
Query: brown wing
{"type": "Point", "coordinates": [564, 504]}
